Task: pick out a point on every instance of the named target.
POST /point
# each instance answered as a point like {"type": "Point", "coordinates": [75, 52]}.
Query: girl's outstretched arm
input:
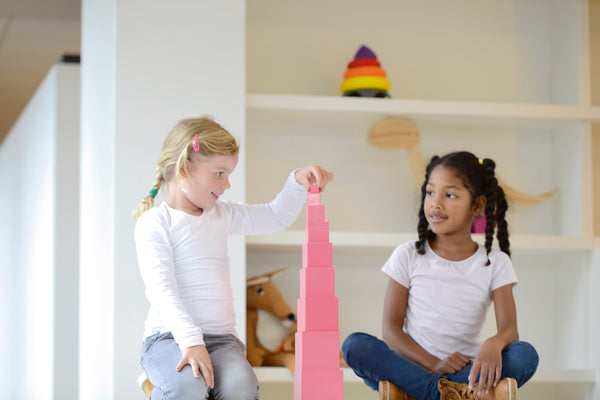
{"type": "Point", "coordinates": [394, 312]}
{"type": "Point", "coordinates": [488, 362]}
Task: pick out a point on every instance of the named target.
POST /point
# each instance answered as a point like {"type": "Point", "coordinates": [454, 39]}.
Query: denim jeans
{"type": "Point", "coordinates": [234, 377]}
{"type": "Point", "coordinates": [373, 361]}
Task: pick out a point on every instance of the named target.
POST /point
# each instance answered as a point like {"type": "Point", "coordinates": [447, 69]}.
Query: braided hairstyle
{"type": "Point", "coordinates": [189, 136]}
{"type": "Point", "coordinates": [479, 178]}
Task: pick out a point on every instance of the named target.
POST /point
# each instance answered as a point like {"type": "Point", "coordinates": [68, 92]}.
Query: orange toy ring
{"type": "Point", "coordinates": [366, 70]}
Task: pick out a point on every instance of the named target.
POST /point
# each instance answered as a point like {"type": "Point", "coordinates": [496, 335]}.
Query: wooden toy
{"type": "Point", "coordinates": [402, 133]}
{"type": "Point", "coordinates": [364, 76]}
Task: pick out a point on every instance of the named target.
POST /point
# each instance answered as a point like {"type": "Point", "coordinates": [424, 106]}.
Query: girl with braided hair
{"type": "Point", "coordinates": [191, 349]}
{"type": "Point", "coordinates": [440, 288]}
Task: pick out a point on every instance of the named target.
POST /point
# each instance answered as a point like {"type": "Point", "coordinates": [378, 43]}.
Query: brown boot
{"type": "Point", "coordinates": [505, 390]}
{"type": "Point", "coordinates": [389, 391]}
{"type": "Point", "coordinates": [145, 384]}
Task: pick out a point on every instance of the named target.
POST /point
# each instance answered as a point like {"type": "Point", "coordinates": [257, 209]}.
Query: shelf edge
{"type": "Point", "coordinates": [413, 107]}
{"type": "Point", "coordinates": [393, 239]}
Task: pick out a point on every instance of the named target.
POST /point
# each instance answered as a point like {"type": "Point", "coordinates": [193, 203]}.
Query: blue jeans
{"type": "Point", "coordinates": [373, 361]}
{"type": "Point", "coordinates": [234, 377]}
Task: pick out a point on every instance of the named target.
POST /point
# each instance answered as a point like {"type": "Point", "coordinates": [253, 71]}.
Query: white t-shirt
{"type": "Point", "coordinates": [448, 300]}
{"type": "Point", "coordinates": [184, 263]}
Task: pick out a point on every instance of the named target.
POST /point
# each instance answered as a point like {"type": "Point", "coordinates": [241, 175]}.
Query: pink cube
{"type": "Point", "coordinates": [317, 314]}
{"type": "Point", "coordinates": [313, 200]}
{"type": "Point", "coordinates": [317, 255]}
{"type": "Point", "coordinates": [317, 281]}
{"type": "Point", "coordinates": [315, 215]}
{"type": "Point", "coordinates": [318, 350]}
{"type": "Point", "coordinates": [317, 232]}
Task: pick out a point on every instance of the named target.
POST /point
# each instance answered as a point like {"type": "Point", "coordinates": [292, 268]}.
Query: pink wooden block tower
{"type": "Point", "coordinates": [318, 375]}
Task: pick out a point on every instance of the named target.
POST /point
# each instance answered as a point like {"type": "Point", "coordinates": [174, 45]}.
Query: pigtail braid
{"type": "Point", "coordinates": [425, 234]}
{"type": "Point", "coordinates": [148, 201]}
{"type": "Point", "coordinates": [502, 234]}
{"type": "Point", "coordinates": [491, 185]}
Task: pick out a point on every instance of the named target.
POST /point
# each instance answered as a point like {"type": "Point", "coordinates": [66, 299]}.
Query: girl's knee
{"type": "Point", "coordinates": [238, 386]}
{"type": "Point", "coordinates": [354, 339]}
{"type": "Point", "coordinates": [357, 345]}
{"type": "Point", "coordinates": [524, 351]}
{"type": "Point", "coordinates": [530, 350]}
{"type": "Point", "coordinates": [521, 362]}
{"type": "Point", "coordinates": [186, 387]}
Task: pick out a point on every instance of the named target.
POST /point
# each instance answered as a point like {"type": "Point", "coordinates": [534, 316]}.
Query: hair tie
{"type": "Point", "coordinates": [481, 161]}
{"type": "Point", "coordinates": [153, 192]}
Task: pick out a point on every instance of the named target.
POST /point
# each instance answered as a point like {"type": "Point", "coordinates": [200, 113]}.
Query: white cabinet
{"type": "Point", "coordinates": [506, 80]}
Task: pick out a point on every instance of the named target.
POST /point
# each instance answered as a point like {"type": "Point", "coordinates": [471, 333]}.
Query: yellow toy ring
{"type": "Point", "coordinates": [364, 82]}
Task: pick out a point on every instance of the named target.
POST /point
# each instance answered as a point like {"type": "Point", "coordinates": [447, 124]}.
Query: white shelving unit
{"type": "Point", "coordinates": [506, 81]}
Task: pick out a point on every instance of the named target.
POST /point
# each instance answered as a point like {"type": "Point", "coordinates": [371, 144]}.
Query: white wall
{"type": "Point", "coordinates": [136, 84]}
{"type": "Point", "coordinates": [38, 244]}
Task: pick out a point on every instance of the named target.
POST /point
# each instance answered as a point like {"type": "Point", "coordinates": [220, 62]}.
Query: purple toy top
{"type": "Point", "coordinates": [365, 52]}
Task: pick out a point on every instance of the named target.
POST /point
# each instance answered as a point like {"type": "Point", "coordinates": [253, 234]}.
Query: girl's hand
{"type": "Point", "coordinates": [198, 358]}
{"type": "Point", "coordinates": [313, 174]}
{"type": "Point", "coordinates": [452, 364]}
{"type": "Point", "coordinates": [488, 366]}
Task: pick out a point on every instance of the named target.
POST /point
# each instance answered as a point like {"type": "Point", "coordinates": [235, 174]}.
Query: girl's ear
{"type": "Point", "coordinates": [186, 168]}
{"type": "Point", "coordinates": [479, 205]}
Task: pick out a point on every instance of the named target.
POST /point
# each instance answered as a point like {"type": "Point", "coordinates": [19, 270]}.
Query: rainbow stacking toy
{"type": "Point", "coordinates": [317, 375]}
{"type": "Point", "coordinates": [364, 76]}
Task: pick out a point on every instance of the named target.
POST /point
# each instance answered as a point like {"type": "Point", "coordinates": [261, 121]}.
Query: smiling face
{"type": "Point", "coordinates": [449, 206]}
{"type": "Point", "coordinates": [206, 181]}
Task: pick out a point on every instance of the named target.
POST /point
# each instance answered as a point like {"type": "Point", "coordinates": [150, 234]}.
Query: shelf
{"type": "Point", "coordinates": [392, 240]}
{"type": "Point", "coordinates": [506, 114]}
{"type": "Point", "coordinates": [282, 374]}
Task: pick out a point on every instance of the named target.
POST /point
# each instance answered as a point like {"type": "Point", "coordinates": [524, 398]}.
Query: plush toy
{"type": "Point", "coordinates": [270, 323]}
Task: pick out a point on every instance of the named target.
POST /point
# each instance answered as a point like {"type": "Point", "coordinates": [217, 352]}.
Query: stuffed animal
{"type": "Point", "coordinates": [270, 323]}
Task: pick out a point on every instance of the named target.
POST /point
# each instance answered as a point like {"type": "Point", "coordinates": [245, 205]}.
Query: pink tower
{"type": "Point", "coordinates": [318, 375]}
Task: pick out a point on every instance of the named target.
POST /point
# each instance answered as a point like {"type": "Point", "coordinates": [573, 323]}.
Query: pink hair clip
{"type": "Point", "coordinates": [196, 143]}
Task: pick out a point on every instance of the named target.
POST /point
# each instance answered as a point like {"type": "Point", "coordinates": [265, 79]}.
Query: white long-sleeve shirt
{"type": "Point", "coordinates": [184, 263]}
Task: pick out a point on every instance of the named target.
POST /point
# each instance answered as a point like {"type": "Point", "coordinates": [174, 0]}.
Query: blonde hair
{"type": "Point", "coordinates": [194, 135]}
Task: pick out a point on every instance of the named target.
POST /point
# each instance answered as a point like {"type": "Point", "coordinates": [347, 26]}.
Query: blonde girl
{"type": "Point", "coordinates": [190, 348]}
